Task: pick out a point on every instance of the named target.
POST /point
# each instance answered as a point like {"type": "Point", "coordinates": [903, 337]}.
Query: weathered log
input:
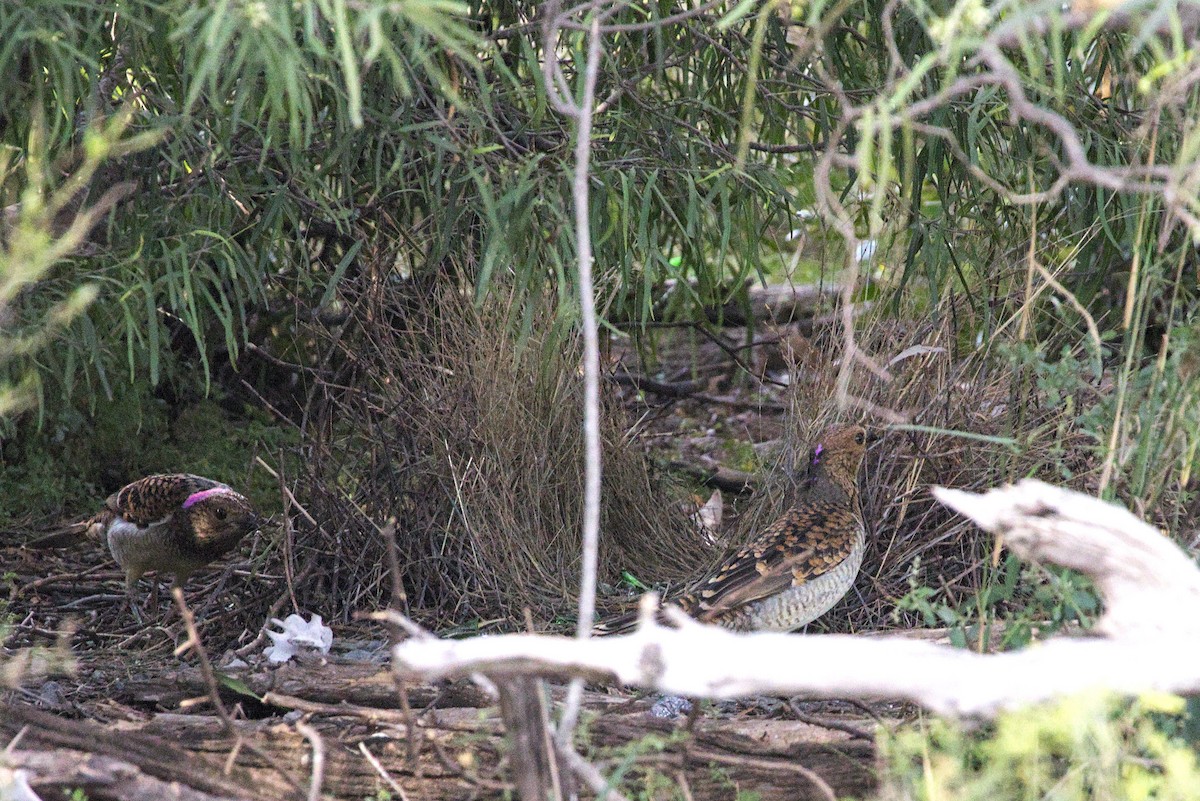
{"type": "Point", "coordinates": [59, 773]}
{"type": "Point", "coordinates": [449, 754]}
{"type": "Point", "coordinates": [779, 302]}
{"type": "Point", "coordinates": [140, 758]}
{"type": "Point", "coordinates": [361, 684]}
{"type": "Point", "coordinates": [720, 477]}
{"type": "Point", "coordinates": [448, 764]}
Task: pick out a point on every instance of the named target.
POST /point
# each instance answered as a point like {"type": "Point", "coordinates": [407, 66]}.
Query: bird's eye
{"type": "Point", "coordinates": [860, 438]}
{"type": "Point", "coordinates": [222, 514]}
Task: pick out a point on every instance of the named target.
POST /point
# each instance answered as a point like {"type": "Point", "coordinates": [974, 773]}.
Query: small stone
{"type": "Point", "coordinates": [671, 706]}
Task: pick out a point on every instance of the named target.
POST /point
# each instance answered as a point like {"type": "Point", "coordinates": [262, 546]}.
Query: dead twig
{"type": "Point", "coordinates": [591, 776]}
{"type": "Point", "coordinates": [723, 478]}
{"type": "Point", "coordinates": [562, 99]}
{"type": "Point", "coordinates": [318, 759]}
{"type": "Point", "coordinates": [192, 643]}
{"type": "Point", "coordinates": [824, 723]}
{"type": "Point", "coordinates": [383, 774]}
{"type": "Point", "coordinates": [770, 765]}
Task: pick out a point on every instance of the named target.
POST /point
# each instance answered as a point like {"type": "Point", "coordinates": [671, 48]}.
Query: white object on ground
{"type": "Point", "coordinates": [298, 635]}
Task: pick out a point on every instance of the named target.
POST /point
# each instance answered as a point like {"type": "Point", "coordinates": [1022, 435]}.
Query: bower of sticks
{"type": "Point", "coordinates": [437, 494]}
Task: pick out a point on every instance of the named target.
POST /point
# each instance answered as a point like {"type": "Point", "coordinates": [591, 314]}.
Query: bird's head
{"type": "Point", "coordinates": [220, 516]}
{"type": "Point", "coordinates": [839, 453]}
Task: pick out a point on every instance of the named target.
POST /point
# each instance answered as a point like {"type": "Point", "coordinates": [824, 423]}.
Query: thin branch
{"type": "Point", "coordinates": [583, 114]}
{"type": "Point", "coordinates": [708, 755]}
{"type": "Point", "coordinates": [591, 776]}
{"type": "Point", "coordinates": [318, 759]}
{"type": "Point", "coordinates": [835, 725]}
{"type": "Point", "coordinates": [382, 771]}
{"type": "Point", "coordinates": [634, 27]}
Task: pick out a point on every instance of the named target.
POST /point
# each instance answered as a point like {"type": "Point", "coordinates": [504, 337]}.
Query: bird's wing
{"type": "Point", "coordinates": [617, 624]}
{"type": "Point", "coordinates": [808, 541]}
{"type": "Point", "coordinates": [153, 498]}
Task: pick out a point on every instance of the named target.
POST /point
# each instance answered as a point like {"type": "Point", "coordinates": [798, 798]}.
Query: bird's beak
{"type": "Point", "coordinates": [873, 437]}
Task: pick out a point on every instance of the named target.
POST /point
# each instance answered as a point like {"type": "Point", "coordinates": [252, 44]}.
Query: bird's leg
{"type": "Point", "coordinates": [176, 581]}
{"type": "Point", "coordinates": [693, 714]}
{"type": "Point", "coordinates": [131, 592]}
{"type": "Point", "coordinates": [153, 603]}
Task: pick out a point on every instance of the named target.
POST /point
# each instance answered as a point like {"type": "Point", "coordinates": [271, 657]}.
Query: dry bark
{"type": "Point", "coordinates": [57, 774]}
{"type": "Point", "coordinates": [125, 759]}
{"type": "Point", "coordinates": [361, 684]}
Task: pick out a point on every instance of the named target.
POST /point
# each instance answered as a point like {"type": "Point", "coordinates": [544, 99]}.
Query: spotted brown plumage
{"type": "Point", "coordinates": [802, 564]}
{"type": "Point", "coordinates": [173, 523]}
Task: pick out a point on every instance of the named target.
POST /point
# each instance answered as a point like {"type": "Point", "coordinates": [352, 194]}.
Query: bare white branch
{"type": "Point", "coordinates": [1150, 587]}
{"type": "Point", "coordinates": [583, 114]}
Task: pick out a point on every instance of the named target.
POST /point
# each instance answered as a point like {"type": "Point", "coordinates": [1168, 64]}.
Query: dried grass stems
{"type": "Point", "coordinates": [466, 429]}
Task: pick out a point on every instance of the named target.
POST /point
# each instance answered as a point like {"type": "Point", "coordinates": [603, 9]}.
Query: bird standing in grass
{"type": "Point", "coordinates": [798, 567]}
{"type": "Point", "coordinates": [174, 523]}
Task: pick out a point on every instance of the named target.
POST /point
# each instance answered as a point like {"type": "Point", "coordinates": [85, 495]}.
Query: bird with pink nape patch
{"type": "Point", "coordinates": [174, 523]}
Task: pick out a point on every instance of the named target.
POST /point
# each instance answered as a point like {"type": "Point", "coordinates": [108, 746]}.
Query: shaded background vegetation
{"type": "Point", "coordinates": [329, 180]}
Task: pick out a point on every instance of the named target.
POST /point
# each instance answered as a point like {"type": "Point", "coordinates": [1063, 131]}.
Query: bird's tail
{"type": "Point", "coordinates": [619, 624]}
{"type": "Point", "coordinates": [626, 622]}
{"type": "Point", "coordinates": [64, 537]}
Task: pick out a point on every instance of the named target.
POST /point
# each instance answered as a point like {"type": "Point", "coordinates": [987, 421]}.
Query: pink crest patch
{"type": "Point", "coordinates": [196, 497]}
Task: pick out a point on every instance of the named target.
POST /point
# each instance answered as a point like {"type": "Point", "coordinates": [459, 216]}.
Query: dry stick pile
{"type": "Point", "coordinates": [456, 751]}
{"type": "Point", "coordinates": [466, 430]}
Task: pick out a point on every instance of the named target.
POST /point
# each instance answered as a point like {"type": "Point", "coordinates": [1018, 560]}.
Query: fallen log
{"type": "Point", "coordinates": [123, 761]}
{"type": "Point", "coordinates": [778, 302]}
{"type": "Point", "coordinates": [360, 684]}
{"type": "Point", "coordinates": [436, 754]}
{"type": "Point", "coordinates": [61, 773]}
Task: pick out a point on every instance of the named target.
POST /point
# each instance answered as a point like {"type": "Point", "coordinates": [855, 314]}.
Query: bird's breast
{"type": "Point", "coordinates": [152, 547]}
